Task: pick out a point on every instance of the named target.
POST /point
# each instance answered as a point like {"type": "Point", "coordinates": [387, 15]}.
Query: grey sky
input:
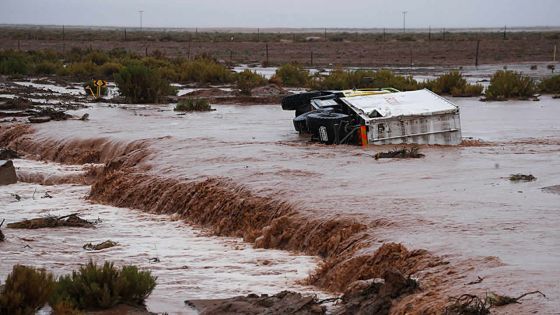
{"type": "Point", "coordinates": [283, 13]}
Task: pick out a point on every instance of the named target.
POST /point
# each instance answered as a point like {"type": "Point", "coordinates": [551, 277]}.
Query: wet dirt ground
{"type": "Point", "coordinates": [191, 264]}
{"type": "Point", "coordinates": [456, 202]}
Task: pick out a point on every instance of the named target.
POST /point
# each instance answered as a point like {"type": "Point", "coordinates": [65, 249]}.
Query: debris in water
{"type": "Point", "coordinates": [403, 153]}
{"type": "Point", "coordinates": [2, 238]}
{"type": "Point", "coordinates": [472, 304]}
{"type": "Point", "coordinates": [522, 178]}
{"type": "Point", "coordinates": [8, 154]}
{"type": "Point", "coordinates": [477, 281]}
{"type": "Point", "coordinates": [7, 173]}
{"type": "Point", "coordinates": [154, 260]}
{"type": "Point", "coordinates": [501, 300]}
{"type": "Point", "coordinates": [46, 195]}
{"type": "Point", "coordinates": [100, 246]}
{"type": "Point", "coordinates": [375, 297]}
{"type": "Point", "coordinates": [467, 304]}
{"type": "Point", "coordinates": [71, 220]}
{"type": "Point", "coordinates": [285, 302]}
{"type": "Point", "coordinates": [16, 196]}
{"type": "Point", "coordinates": [552, 189]}
{"type": "Point", "coordinates": [85, 117]}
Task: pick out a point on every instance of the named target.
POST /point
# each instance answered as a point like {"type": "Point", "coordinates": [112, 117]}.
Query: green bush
{"type": "Point", "coordinates": [140, 84]}
{"type": "Point", "coordinates": [82, 70]}
{"type": "Point", "coordinates": [108, 69]}
{"type": "Point", "coordinates": [247, 80]}
{"type": "Point", "coordinates": [193, 105]}
{"type": "Point", "coordinates": [292, 74]}
{"type": "Point", "coordinates": [340, 79]}
{"type": "Point", "coordinates": [26, 290]}
{"type": "Point", "coordinates": [550, 85]}
{"type": "Point", "coordinates": [204, 70]}
{"type": "Point", "coordinates": [47, 68]}
{"type": "Point", "coordinates": [12, 63]}
{"type": "Point", "coordinates": [101, 287]}
{"type": "Point", "coordinates": [96, 57]}
{"type": "Point", "coordinates": [386, 78]}
{"type": "Point", "coordinates": [508, 84]}
{"type": "Point", "coordinates": [453, 83]}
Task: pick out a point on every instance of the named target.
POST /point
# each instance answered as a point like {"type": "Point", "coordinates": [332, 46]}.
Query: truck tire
{"type": "Point", "coordinates": [301, 100]}
{"type": "Point", "coordinates": [322, 125]}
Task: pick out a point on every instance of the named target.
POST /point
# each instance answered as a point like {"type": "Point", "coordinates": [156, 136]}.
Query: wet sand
{"type": "Point", "coordinates": [456, 202]}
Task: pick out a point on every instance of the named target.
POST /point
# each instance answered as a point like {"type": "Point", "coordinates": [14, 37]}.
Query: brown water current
{"type": "Point", "coordinates": [339, 202]}
{"type": "Point", "coordinates": [189, 263]}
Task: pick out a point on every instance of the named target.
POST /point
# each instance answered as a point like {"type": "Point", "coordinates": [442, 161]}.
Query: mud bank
{"type": "Point", "coordinates": [351, 253]}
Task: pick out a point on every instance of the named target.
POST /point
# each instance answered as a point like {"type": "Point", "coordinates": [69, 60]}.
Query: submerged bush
{"type": "Point", "coordinates": [193, 105]}
{"type": "Point", "coordinates": [292, 74]}
{"type": "Point", "coordinates": [247, 80]}
{"type": "Point", "coordinates": [550, 85]}
{"type": "Point", "coordinates": [509, 84]}
{"type": "Point", "coordinates": [140, 84]}
{"type": "Point", "coordinates": [26, 290]}
{"type": "Point", "coordinates": [101, 287]}
{"type": "Point", "coordinates": [453, 83]}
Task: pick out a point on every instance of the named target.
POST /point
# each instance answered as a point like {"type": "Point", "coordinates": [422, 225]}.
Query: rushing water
{"type": "Point", "coordinates": [190, 263]}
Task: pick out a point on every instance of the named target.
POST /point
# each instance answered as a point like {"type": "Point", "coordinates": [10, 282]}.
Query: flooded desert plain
{"type": "Point", "coordinates": [234, 201]}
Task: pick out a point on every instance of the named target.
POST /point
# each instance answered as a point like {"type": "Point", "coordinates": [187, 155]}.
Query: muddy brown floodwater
{"type": "Point", "coordinates": [191, 264]}
{"type": "Point", "coordinates": [457, 202]}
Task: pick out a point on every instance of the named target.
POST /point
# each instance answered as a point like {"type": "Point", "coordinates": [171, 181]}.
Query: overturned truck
{"type": "Point", "coordinates": [380, 116]}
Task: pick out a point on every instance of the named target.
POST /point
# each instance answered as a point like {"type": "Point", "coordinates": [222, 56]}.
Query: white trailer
{"type": "Point", "coordinates": [421, 117]}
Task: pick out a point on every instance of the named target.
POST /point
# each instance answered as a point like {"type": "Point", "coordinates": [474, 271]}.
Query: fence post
{"type": "Point", "coordinates": [125, 34]}
{"type": "Point", "coordinates": [477, 50]}
{"type": "Point", "coordinates": [18, 45]}
{"type": "Point", "coordinates": [267, 60]}
{"type": "Point", "coordinates": [312, 58]}
{"type": "Point", "coordinates": [430, 33]}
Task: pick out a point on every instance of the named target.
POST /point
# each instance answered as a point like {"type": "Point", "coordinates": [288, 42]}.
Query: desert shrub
{"type": "Point", "coordinates": [82, 70]}
{"type": "Point", "coordinates": [453, 83]}
{"type": "Point", "coordinates": [101, 287]}
{"type": "Point", "coordinates": [47, 68]}
{"type": "Point", "coordinates": [468, 90]}
{"type": "Point", "coordinates": [550, 85]}
{"type": "Point", "coordinates": [247, 80]}
{"type": "Point", "coordinates": [108, 69]}
{"type": "Point", "coordinates": [508, 84]}
{"type": "Point", "coordinates": [96, 57]}
{"type": "Point", "coordinates": [337, 79]}
{"type": "Point", "coordinates": [26, 290]}
{"type": "Point", "coordinates": [193, 105]}
{"type": "Point", "coordinates": [292, 74]}
{"type": "Point", "coordinates": [140, 84]}
{"type": "Point", "coordinates": [206, 71]}
{"type": "Point", "coordinates": [12, 63]}
{"type": "Point", "coordinates": [340, 79]}
{"type": "Point", "coordinates": [387, 78]}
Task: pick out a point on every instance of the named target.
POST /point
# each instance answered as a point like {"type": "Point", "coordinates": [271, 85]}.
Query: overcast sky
{"type": "Point", "coordinates": [283, 13]}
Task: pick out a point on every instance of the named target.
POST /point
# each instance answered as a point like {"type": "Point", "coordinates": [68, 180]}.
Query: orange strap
{"type": "Point", "coordinates": [363, 136]}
